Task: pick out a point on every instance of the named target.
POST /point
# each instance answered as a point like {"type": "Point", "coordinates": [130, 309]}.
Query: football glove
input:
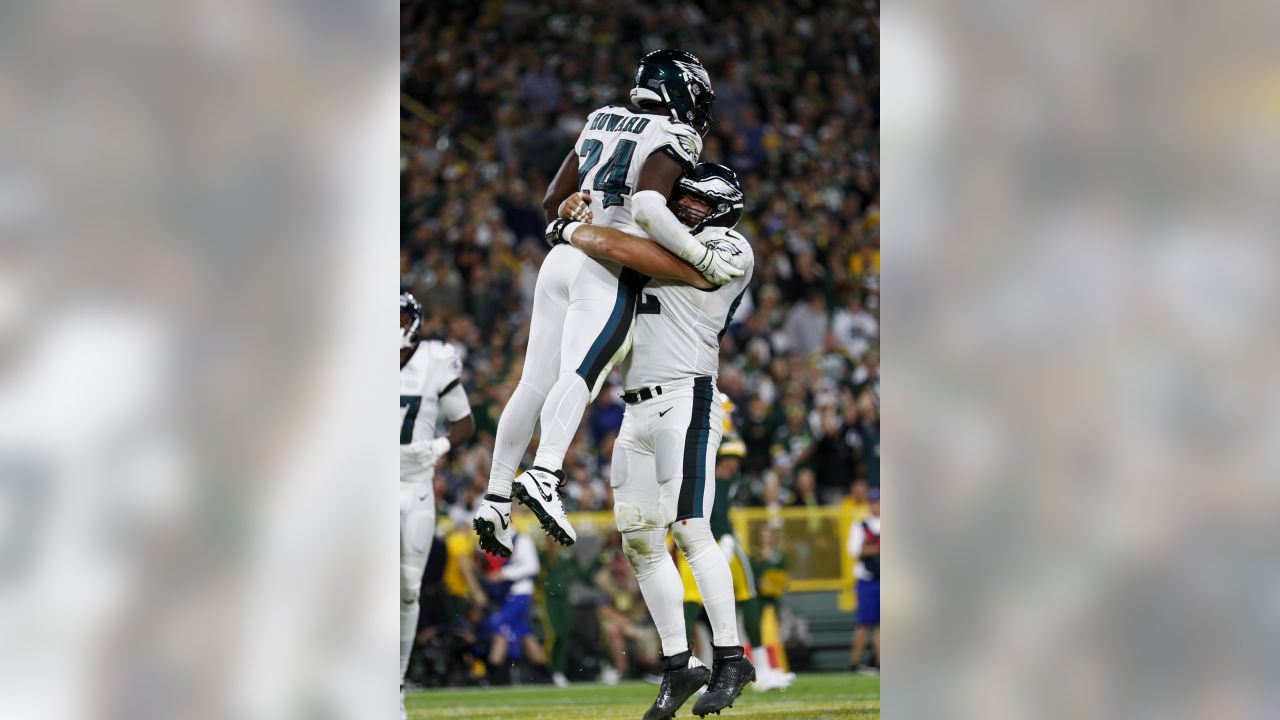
{"type": "Point", "coordinates": [713, 267]}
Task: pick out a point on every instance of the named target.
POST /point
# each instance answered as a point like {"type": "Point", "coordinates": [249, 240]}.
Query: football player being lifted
{"type": "Point", "coordinates": [584, 308]}
{"type": "Point", "coordinates": [430, 386]}
{"type": "Point", "coordinates": [665, 456]}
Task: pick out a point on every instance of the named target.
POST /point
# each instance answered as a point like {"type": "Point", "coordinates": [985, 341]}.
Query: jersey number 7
{"type": "Point", "coordinates": [410, 404]}
{"type": "Point", "coordinates": [612, 178]}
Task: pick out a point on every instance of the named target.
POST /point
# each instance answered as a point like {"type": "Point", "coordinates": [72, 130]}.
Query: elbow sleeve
{"type": "Point", "coordinates": [649, 208]}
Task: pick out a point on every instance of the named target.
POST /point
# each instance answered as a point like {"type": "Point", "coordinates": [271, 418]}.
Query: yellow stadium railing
{"type": "Point", "coordinates": [813, 539]}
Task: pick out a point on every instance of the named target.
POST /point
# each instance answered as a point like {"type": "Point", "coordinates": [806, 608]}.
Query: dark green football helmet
{"type": "Point", "coordinates": [716, 185]}
{"type": "Point", "coordinates": [676, 79]}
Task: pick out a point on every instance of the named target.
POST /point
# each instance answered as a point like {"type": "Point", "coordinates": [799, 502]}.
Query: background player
{"type": "Point", "coordinates": [430, 385]}
{"type": "Point", "coordinates": [864, 548]}
{"type": "Point", "coordinates": [632, 157]}
{"type": "Point", "coordinates": [728, 473]}
{"type": "Point", "coordinates": [670, 433]}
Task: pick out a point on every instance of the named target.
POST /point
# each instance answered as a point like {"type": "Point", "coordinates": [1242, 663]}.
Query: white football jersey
{"type": "Point", "coordinates": [678, 326]}
{"type": "Point", "coordinates": [429, 382]}
{"type": "Point", "coordinates": [612, 148]}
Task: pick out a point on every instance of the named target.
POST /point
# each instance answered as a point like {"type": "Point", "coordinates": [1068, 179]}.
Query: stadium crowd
{"type": "Point", "coordinates": [492, 102]}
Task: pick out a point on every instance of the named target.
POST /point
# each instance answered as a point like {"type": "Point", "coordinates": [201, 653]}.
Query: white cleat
{"type": "Point", "coordinates": [770, 679]}
{"type": "Point", "coordinates": [493, 526]}
{"type": "Point", "coordinates": [560, 680]}
{"type": "Point", "coordinates": [403, 715]}
{"type": "Point", "coordinates": [537, 490]}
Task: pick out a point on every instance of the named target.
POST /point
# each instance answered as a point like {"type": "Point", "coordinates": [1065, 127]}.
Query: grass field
{"type": "Point", "coordinates": [828, 696]}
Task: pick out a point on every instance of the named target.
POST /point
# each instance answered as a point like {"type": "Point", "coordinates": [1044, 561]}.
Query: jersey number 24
{"type": "Point", "coordinates": [612, 178]}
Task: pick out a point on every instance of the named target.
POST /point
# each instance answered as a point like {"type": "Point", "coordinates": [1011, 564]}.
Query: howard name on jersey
{"type": "Point", "coordinates": [679, 327]}
{"type": "Point", "coordinates": [612, 149]}
{"type": "Point", "coordinates": [429, 382]}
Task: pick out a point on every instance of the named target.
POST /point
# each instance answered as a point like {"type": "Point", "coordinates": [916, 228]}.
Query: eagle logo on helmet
{"type": "Point", "coordinates": [694, 72]}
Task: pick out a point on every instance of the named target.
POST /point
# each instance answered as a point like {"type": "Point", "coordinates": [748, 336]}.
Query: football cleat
{"type": "Point", "coordinates": [403, 715]}
{"type": "Point", "coordinates": [493, 526]}
{"type": "Point", "coordinates": [537, 489]}
{"type": "Point", "coordinates": [768, 679]}
{"type": "Point", "coordinates": [677, 686]}
{"type": "Point", "coordinates": [728, 676]}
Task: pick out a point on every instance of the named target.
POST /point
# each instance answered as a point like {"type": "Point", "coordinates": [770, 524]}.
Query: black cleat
{"type": "Point", "coordinates": [731, 672]}
{"type": "Point", "coordinates": [677, 686]}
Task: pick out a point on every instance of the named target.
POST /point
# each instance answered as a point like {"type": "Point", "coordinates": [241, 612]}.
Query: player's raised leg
{"type": "Point", "coordinates": [597, 328]}
{"type": "Point", "coordinates": [515, 427]}
{"type": "Point", "coordinates": [643, 524]}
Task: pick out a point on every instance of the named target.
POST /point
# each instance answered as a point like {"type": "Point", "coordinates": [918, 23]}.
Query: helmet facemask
{"type": "Point", "coordinates": [411, 311]}
{"type": "Point", "coordinates": [692, 209]}
{"type": "Point", "coordinates": [716, 188]}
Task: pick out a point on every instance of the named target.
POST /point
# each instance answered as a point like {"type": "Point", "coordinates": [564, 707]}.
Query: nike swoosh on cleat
{"type": "Point", "coordinates": [664, 412]}
{"type": "Point", "coordinates": [424, 497]}
{"type": "Point", "coordinates": [545, 495]}
{"type": "Point", "coordinates": [505, 524]}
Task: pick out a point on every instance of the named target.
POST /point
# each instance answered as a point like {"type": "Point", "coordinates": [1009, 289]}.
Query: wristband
{"type": "Point", "coordinates": [566, 231]}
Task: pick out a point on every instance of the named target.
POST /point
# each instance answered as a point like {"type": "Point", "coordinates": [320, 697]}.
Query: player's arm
{"type": "Point", "coordinates": [454, 403]}
{"type": "Point", "coordinates": [462, 430]}
{"type": "Point", "coordinates": [658, 177]}
{"type": "Point", "coordinates": [637, 253]}
{"type": "Point", "coordinates": [564, 184]}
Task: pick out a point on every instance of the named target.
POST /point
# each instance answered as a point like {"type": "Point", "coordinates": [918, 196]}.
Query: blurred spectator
{"type": "Point", "coordinates": [806, 490]}
{"type": "Point", "coordinates": [606, 414]}
{"type": "Point", "coordinates": [628, 628]}
{"type": "Point", "coordinates": [793, 443]}
{"type": "Point", "coordinates": [864, 547]}
{"type": "Point", "coordinates": [807, 324]}
{"type": "Point", "coordinates": [858, 501]}
{"type": "Point", "coordinates": [563, 570]}
{"type": "Point", "coordinates": [833, 457]}
{"type": "Point", "coordinates": [855, 328]}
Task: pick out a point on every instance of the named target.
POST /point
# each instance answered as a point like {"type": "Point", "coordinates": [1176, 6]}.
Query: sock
{"type": "Point", "coordinates": [760, 656]}
{"type": "Point", "coordinates": [408, 630]}
{"type": "Point", "coordinates": [561, 415]}
{"type": "Point", "coordinates": [712, 575]}
{"type": "Point", "coordinates": [751, 620]}
{"type": "Point", "coordinates": [660, 585]}
{"type": "Point", "coordinates": [515, 429]}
